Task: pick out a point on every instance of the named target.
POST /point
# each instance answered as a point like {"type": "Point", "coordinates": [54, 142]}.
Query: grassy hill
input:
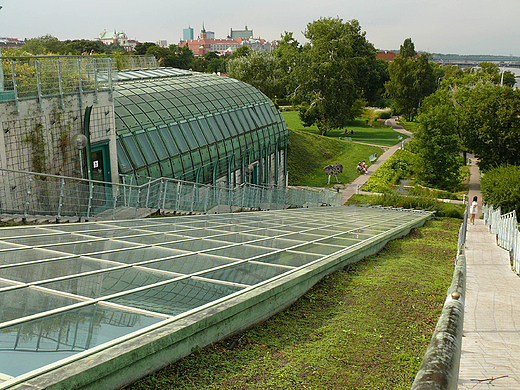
{"type": "Point", "coordinates": [309, 153]}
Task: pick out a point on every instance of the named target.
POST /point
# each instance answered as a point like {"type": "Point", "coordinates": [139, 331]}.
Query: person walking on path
{"type": "Point", "coordinates": [473, 210]}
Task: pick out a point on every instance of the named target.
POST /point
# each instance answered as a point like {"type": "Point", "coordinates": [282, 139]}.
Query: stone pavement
{"type": "Point", "coordinates": [490, 356]}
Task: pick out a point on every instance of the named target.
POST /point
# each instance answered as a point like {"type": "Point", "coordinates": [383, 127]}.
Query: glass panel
{"type": "Point", "coordinates": [178, 137]}
{"type": "Point", "coordinates": [290, 259]}
{"type": "Point", "coordinates": [133, 150]}
{"type": "Point", "coordinates": [245, 273]}
{"type": "Point", "coordinates": [106, 283]}
{"type": "Point", "coordinates": [223, 126]}
{"type": "Point", "coordinates": [196, 245]}
{"type": "Point", "coordinates": [189, 135]}
{"type": "Point", "coordinates": [137, 255]}
{"type": "Point", "coordinates": [241, 252]}
{"type": "Point", "coordinates": [157, 144]}
{"type": "Point", "coordinates": [198, 132]}
{"type": "Point", "coordinates": [168, 140]}
{"type": "Point", "coordinates": [206, 129]}
{"type": "Point", "coordinates": [177, 297]}
{"type": "Point", "coordinates": [65, 334]}
{"type": "Point", "coordinates": [214, 127]}
{"type": "Point", "coordinates": [146, 148]}
{"type": "Point", "coordinates": [236, 121]}
{"type": "Point", "coordinates": [89, 247]}
{"type": "Point", "coordinates": [189, 264]}
{"type": "Point", "coordinates": [24, 302]}
{"type": "Point", "coordinates": [229, 123]}
{"type": "Point", "coordinates": [122, 159]}
{"type": "Point", "coordinates": [53, 269]}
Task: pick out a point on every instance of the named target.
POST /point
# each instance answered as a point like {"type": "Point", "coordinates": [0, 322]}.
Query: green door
{"type": "Point", "coordinates": [100, 168]}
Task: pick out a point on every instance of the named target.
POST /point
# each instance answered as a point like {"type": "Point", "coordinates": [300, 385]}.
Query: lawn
{"type": "Point", "coordinates": [364, 327]}
{"type": "Point", "coordinates": [309, 153]}
{"type": "Point", "coordinates": [379, 134]}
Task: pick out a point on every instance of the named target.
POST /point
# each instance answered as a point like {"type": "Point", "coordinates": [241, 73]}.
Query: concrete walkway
{"type": "Point", "coordinates": [491, 339]}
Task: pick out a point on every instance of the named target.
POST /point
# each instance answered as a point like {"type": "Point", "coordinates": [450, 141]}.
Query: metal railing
{"type": "Point", "coordinates": [55, 76]}
{"type": "Point", "coordinates": [506, 228]}
{"type": "Point", "coordinates": [27, 194]}
{"type": "Point", "coordinates": [440, 366]}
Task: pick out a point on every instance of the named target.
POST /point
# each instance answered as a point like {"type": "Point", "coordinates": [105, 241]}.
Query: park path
{"type": "Point", "coordinates": [353, 188]}
{"type": "Point", "coordinates": [490, 357]}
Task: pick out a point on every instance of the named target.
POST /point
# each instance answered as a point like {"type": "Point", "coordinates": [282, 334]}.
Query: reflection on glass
{"type": "Point", "coordinates": [105, 283]}
{"type": "Point", "coordinates": [176, 297]}
{"type": "Point", "coordinates": [188, 264]}
{"type": "Point", "coordinates": [90, 247]}
{"type": "Point", "coordinates": [288, 258]}
{"type": "Point", "coordinates": [196, 245]}
{"type": "Point", "coordinates": [27, 301]}
{"type": "Point", "coordinates": [241, 252]}
{"type": "Point", "coordinates": [245, 273]}
{"type": "Point", "coordinates": [52, 338]}
{"type": "Point", "coordinates": [53, 269]}
{"type": "Point", "coordinates": [27, 255]}
{"type": "Point", "coordinates": [319, 249]}
{"type": "Point", "coordinates": [137, 255]}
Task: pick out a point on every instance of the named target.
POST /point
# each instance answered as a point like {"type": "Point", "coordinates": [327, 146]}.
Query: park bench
{"type": "Point", "coordinates": [373, 157]}
{"type": "Point", "coordinates": [345, 138]}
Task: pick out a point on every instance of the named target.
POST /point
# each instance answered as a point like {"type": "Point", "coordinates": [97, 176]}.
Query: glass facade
{"type": "Point", "coordinates": [68, 288]}
{"type": "Point", "coordinates": [194, 126]}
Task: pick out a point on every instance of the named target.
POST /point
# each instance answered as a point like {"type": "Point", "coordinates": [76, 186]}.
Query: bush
{"type": "Point", "coordinates": [501, 188]}
{"type": "Point", "coordinates": [398, 166]}
{"type": "Point", "coordinates": [384, 114]}
{"type": "Point", "coordinates": [391, 199]}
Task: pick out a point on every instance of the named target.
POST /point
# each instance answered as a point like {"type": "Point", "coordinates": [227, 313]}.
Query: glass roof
{"type": "Point", "coordinates": [173, 123]}
{"type": "Point", "coordinates": [65, 289]}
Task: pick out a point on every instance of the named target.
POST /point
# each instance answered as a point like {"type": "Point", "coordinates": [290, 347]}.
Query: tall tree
{"type": "Point", "coordinates": [332, 73]}
{"type": "Point", "coordinates": [411, 80]}
{"type": "Point", "coordinates": [436, 142]}
{"type": "Point", "coordinates": [490, 123]}
{"type": "Point", "coordinates": [407, 49]}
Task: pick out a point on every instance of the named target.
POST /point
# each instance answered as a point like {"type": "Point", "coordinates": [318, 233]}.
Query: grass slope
{"type": "Point", "coordinates": [376, 135]}
{"type": "Point", "coordinates": [367, 327]}
{"type": "Point", "coordinates": [309, 153]}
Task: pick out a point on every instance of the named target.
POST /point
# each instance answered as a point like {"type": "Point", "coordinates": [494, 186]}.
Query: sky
{"type": "Point", "coordinates": [435, 26]}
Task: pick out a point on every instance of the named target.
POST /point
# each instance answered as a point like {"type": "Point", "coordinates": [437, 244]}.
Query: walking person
{"type": "Point", "coordinates": [473, 210]}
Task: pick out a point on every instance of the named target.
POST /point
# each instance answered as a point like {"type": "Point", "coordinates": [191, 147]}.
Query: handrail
{"type": "Point", "coordinates": [29, 193]}
{"type": "Point", "coordinates": [440, 366]}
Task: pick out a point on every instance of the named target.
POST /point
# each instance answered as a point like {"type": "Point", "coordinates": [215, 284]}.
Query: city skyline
{"type": "Point", "coordinates": [444, 26]}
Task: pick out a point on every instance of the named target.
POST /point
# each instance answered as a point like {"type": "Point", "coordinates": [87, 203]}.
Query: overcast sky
{"type": "Point", "coordinates": [435, 26]}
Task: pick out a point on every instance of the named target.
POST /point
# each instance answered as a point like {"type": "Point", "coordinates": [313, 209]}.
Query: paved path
{"type": "Point", "coordinates": [491, 339]}
{"type": "Point", "coordinates": [352, 188]}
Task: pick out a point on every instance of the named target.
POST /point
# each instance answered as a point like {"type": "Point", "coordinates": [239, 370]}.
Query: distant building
{"type": "Point", "coordinates": [246, 34]}
{"type": "Point", "coordinates": [162, 43]}
{"type": "Point", "coordinates": [208, 43]}
{"type": "Point", "coordinates": [11, 42]}
{"type": "Point", "coordinates": [187, 34]}
{"type": "Point", "coordinates": [117, 37]}
{"type": "Point", "coordinates": [386, 55]}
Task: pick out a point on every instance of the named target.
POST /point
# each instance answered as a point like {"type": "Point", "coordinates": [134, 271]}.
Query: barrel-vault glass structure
{"type": "Point", "coordinates": [197, 127]}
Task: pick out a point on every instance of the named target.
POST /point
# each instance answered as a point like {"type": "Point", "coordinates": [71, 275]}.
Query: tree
{"type": "Point", "coordinates": [407, 49]}
{"type": "Point", "coordinates": [411, 80]}
{"type": "Point", "coordinates": [257, 69]}
{"type": "Point", "coordinates": [436, 142]}
{"type": "Point", "coordinates": [142, 48]}
{"type": "Point", "coordinates": [490, 123]}
{"type": "Point", "coordinates": [332, 73]}
{"type": "Point", "coordinates": [45, 44]}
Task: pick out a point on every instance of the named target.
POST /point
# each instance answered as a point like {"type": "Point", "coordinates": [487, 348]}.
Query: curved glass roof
{"type": "Point", "coordinates": [192, 126]}
{"type": "Point", "coordinates": [67, 289]}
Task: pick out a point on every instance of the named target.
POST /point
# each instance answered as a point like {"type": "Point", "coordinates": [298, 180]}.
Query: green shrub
{"type": "Point", "coordinates": [384, 114]}
{"type": "Point", "coordinates": [398, 166]}
{"type": "Point", "coordinates": [501, 188]}
{"type": "Point", "coordinates": [392, 199]}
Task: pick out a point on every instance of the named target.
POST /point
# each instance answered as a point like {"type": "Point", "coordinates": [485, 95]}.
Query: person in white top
{"type": "Point", "coordinates": [473, 210]}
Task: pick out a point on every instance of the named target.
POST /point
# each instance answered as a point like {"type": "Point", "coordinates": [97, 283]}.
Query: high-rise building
{"type": "Point", "coordinates": [187, 34]}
